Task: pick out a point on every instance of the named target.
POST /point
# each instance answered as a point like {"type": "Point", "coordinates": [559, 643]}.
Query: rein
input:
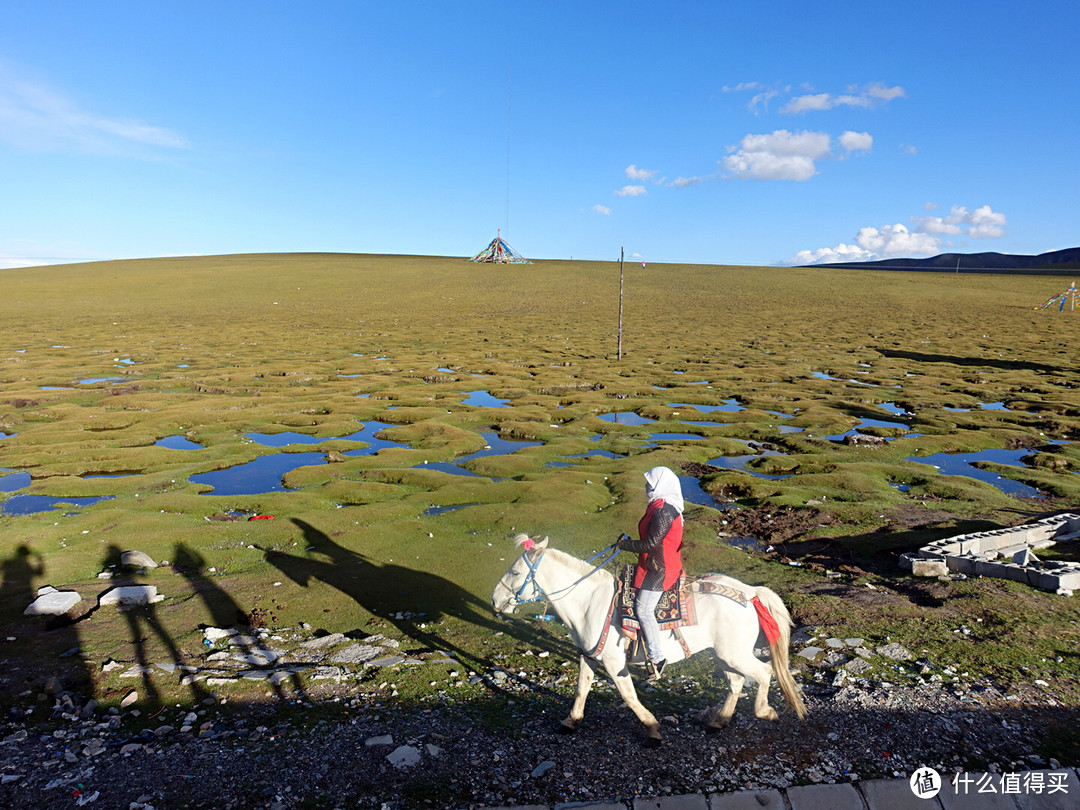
{"type": "Point", "coordinates": [530, 579]}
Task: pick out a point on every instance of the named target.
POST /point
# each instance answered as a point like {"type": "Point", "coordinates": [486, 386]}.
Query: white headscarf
{"type": "Point", "coordinates": [660, 482]}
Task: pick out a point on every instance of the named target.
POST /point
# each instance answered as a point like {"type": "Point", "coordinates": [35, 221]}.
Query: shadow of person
{"type": "Point", "coordinates": [225, 612]}
{"type": "Point", "coordinates": [140, 619]}
{"type": "Point", "coordinates": [54, 638]}
{"type": "Point", "coordinates": [404, 597]}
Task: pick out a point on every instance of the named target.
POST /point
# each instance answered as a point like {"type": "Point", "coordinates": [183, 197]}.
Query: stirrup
{"type": "Point", "coordinates": [656, 669]}
{"type": "Point", "coordinates": [635, 655]}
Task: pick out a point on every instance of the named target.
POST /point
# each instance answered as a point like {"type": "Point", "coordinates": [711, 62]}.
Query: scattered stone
{"type": "Point", "coordinates": [384, 739]}
{"type": "Point", "coordinates": [218, 633]}
{"type": "Point", "coordinates": [858, 666]}
{"type": "Point", "coordinates": [834, 643]}
{"type": "Point", "coordinates": [404, 756]}
{"type": "Point", "coordinates": [137, 559]}
{"type": "Point", "coordinates": [389, 661]}
{"type": "Point", "coordinates": [321, 642]}
{"type": "Point", "coordinates": [53, 603]}
{"type": "Point", "coordinates": [895, 651]}
{"type": "Point", "coordinates": [129, 698]}
{"type": "Point", "coordinates": [130, 595]}
{"type": "Point", "coordinates": [853, 642]}
{"type": "Point", "coordinates": [356, 654]}
{"type": "Point", "coordinates": [541, 769]}
{"type": "Point", "coordinates": [810, 653]}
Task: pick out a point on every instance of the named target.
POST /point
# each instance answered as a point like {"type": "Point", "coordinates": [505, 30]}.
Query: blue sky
{"type": "Point", "coordinates": [756, 133]}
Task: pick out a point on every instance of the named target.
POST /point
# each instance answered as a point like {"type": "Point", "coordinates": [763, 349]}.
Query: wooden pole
{"type": "Point", "coordinates": [622, 252]}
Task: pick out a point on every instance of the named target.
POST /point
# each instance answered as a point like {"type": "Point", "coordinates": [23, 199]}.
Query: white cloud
{"type": "Point", "coordinates": [840, 253]}
{"type": "Point", "coordinates": [634, 173]}
{"type": "Point", "coordinates": [928, 238]}
{"type": "Point", "coordinates": [601, 209]}
{"type": "Point", "coordinates": [982, 223]}
{"type": "Point", "coordinates": [780, 155]}
{"type": "Point", "coordinates": [891, 241]}
{"type": "Point", "coordinates": [685, 182]}
{"type": "Point", "coordinates": [631, 191]}
{"type": "Point", "coordinates": [872, 95]}
{"type": "Point", "coordinates": [857, 141]}
{"type": "Point", "coordinates": [740, 87]}
{"type": "Point", "coordinates": [36, 118]}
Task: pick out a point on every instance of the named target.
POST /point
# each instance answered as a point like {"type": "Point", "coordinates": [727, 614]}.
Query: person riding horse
{"type": "Point", "coordinates": [659, 563]}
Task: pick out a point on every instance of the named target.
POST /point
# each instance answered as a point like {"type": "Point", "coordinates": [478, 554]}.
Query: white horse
{"type": "Point", "coordinates": [583, 597]}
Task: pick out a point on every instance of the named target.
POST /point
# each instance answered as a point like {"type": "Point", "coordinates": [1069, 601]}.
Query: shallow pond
{"type": "Point", "coordinates": [483, 399]}
{"type": "Point", "coordinates": [839, 437]}
{"type": "Point", "coordinates": [626, 418]}
{"type": "Point", "coordinates": [11, 481]}
{"type": "Point", "coordinates": [729, 406]}
{"type": "Point", "coordinates": [31, 504]}
{"type": "Point", "coordinates": [693, 493]}
{"type": "Point", "coordinates": [961, 464]}
{"type": "Point", "coordinates": [495, 446]}
{"type": "Point", "coordinates": [92, 380]}
{"type": "Point", "coordinates": [259, 476]}
{"type": "Point", "coordinates": [178, 443]}
{"type": "Point", "coordinates": [442, 510]}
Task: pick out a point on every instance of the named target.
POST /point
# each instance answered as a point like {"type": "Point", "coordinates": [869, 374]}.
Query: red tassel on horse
{"type": "Point", "coordinates": [767, 622]}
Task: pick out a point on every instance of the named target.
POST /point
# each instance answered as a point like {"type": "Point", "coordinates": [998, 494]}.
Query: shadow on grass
{"type": "Point", "coordinates": [225, 612]}
{"type": "Point", "coordinates": [397, 594]}
{"type": "Point", "coordinates": [1007, 365]}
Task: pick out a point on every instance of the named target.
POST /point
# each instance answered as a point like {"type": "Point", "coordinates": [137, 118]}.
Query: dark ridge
{"type": "Point", "coordinates": [1057, 262]}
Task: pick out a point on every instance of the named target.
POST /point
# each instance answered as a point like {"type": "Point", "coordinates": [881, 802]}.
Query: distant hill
{"type": "Point", "coordinates": [1057, 262]}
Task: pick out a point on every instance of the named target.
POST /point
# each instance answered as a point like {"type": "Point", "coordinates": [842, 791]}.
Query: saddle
{"type": "Point", "coordinates": [675, 608]}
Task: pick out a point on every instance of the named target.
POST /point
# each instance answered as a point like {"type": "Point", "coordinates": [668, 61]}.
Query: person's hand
{"type": "Point", "coordinates": [623, 538]}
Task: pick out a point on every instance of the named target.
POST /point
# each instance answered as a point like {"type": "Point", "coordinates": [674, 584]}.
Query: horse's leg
{"type": "Point", "coordinates": [616, 668]}
{"type": "Point", "coordinates": [586, 673]}
{"type": "Point", "coordinates": [719, 717]}
{"type": "Point", "coordinates": [751, 666]}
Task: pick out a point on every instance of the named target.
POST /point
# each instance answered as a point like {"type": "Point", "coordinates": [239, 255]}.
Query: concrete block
{"type": "Point", "coordinates": [929, 567]}
{"type": "Point", "coordinates": [691, 801]}
{"type": "Point", "coordinates": [960, 798]}
{"type": "Point", "coordinates": [826, 797]}
{"type": "Point", "coordinates": [894, 794]}
{"type": "Point", "coordinates": [747, 800]}
{"type": "Point", "coordinates": [1065, 795]}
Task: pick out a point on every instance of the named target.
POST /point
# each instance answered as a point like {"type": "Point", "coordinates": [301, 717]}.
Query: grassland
{"type": "Point", "coordinates": [214, 348]}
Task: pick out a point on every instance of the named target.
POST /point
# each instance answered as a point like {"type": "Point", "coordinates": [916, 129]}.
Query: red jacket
{"type": "Point", "coordinates": [659, 562]}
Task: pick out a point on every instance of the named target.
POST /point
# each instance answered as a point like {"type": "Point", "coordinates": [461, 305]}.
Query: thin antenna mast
{"type": "Point", "coordinates": [622, 252]}
{"type": "Point", "coordinates": [509, 104]}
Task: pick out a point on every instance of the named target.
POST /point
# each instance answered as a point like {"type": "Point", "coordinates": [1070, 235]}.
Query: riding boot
{"type": "Point", "coordinates": [656, 669]}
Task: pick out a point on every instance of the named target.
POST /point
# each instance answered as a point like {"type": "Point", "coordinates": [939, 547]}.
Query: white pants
{"type": "Point", "coordinates": [645, 608]}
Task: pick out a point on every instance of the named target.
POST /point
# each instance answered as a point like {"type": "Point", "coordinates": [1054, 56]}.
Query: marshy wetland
{"type": "Point", "coordinates": [393, 420]}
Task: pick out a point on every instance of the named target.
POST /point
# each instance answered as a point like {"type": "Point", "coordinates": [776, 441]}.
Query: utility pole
{"type": "Point", "coordinates": [622, 253]}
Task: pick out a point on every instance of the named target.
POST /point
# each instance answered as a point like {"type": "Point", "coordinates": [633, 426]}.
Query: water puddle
{"type": "Point", "coordinates": [495, 446]}
{"type": "Point", "coordinates": [442, 510]}
{"type": "Point", "coordinates": [704, 424]}
{"type": "Point", "coordinates": [350, 375]}
{"type": "Point", "coordinates": [673, 437]}
{"type": "Point", "coordinates": [961, 464]}
{"type": "Point", "coordinates": [12, 481]}
{"type": "Point", "coordinates": [109, 475]}
{"type": "Point", "coordinates": [259, 476]}
{"type": "Point", "coordinates": [365, 434]}
{"type": "Point", "coordinates": [127, 361]}
{"type": "Point", "coordinates": [740, 462]}
{"type": "Point", "coordinates": [483, 399]}
{"type": "Point", "coordinates": [7, 435]}
{"type": "Point", "coordinates": [893, 408]}
{"type": "Point", "coordinates": [747, 544]}
{"type": "Point", "coordinates": [626, 418]}
{"type": "Point", "coordinates": [92, 380]}
{"type": "Point", "coordinates": [789, 429]}
{"type": "Point", "coordinates": [729, 406]}
{"type": "Point", "coordinates": [693, 493]}
{"type": "Point", "coordinates": [31, 504]}
{"type": "Point", "coordinates": [56, 388]}
{"type": "Point", "coordinates": [178, 443]}
{"type": "Point", "coordinates": [599, 453]}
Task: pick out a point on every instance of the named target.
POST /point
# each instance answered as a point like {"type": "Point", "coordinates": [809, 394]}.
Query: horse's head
{"type": "Point", "coordinates": [518, 584]}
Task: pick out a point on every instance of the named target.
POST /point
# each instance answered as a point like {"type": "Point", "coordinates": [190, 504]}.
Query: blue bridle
{"type": "Point", "coordinates": [530, 578]}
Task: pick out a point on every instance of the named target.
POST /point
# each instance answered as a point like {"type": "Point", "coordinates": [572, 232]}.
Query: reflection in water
{"type": "Point", "coordinates": [839, 437]}
{"type": "Point", "coordinates": [259, 476]}
{"type": "Point", "coordinates": [730, 406]}
{"type": "Point", "coordinates": [495, 446]}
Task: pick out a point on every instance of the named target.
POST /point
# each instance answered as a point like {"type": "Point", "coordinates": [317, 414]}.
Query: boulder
{"type": "Point", "coordinates": [137, 559]}
{"type": "Point", "coordinates": [130, 596]}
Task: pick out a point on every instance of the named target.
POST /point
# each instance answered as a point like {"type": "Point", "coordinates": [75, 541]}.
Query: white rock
{"type": "Point", "coordinates": [218, 633]}
{"type": "Point", "coordinates": [137, 559]}
{"type": "Point", "coordinates": [385, 739]}
{"type": "Point", "coordinates": [130, 595]}
{"type": "Point", "coordinates": [53, 603]}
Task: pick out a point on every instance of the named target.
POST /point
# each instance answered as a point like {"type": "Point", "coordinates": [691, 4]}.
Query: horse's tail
{"type": "Point", "coordinates": [778, 650]}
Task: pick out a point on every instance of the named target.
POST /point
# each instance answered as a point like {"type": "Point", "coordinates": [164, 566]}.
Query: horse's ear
{"type": "Point", "coordinates": [542, 544]}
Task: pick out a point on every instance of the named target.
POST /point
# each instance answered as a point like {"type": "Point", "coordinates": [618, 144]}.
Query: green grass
{"type": "Point", "coordinates": [224, 346]}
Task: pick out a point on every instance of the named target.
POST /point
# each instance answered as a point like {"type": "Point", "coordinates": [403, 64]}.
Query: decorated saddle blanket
{"type": "Point", "coordinates": [675, 608]}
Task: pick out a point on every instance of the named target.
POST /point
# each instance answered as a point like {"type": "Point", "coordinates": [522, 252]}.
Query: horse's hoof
{"type": "Point", "coordinates": [652, 742]}
{"type": "Point", "coordinates": [562, 728]}
{"type": "Point", "coordinates": [711, 729]}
